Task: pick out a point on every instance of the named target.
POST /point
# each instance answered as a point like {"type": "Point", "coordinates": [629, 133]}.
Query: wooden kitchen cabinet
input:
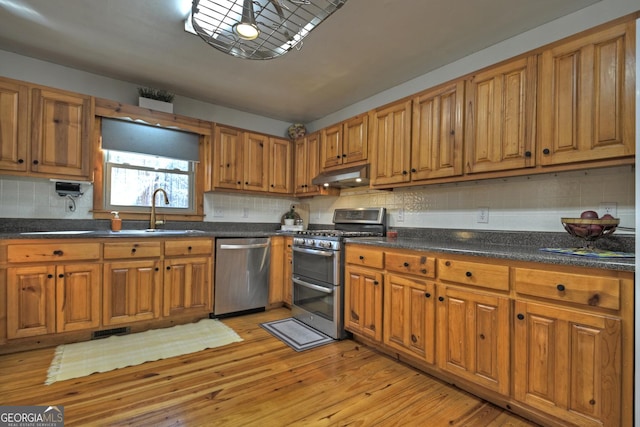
{"type": "Point", "coordinates": [568, 363]}
{"type": "Point", "coordinates": [14, 125]}
{"type": "Point", "coordinates": [363, 302]}
{"type": "Point", "coordinates": [60, 134]}
{"type": "Point", "coordinates": [307, 166]}
{"type": "Point", "coordinates": [390, 130]}
{"type": "Point", "coordinates": [188, 272]}
{"type": "Point", "coordinates": [31, 301]}
{"type": "Point", "coordinates": [344, 143]}
{"type": "Point", "coordinates": [587, 98]}
{"type": "Point", "coordinates": [78, 293]}
{"type": "Point", "coordinates": [501, 112]}
{"type": "Point", "coordinates": [280, 166]}
{"type": "Point", "coordinates": [473, 335]}
{"type": "Point", "coordinates": [256, 162]}
{"type": "Point", "coordinates": [45, 299]}
{"type": "Point", "coordinates": [131, 291]}
{"type": "Point", "coordinates": [280, 273]}
{"type": "Point", "coordinates": [409, 316]}
{"type": "Point", "coordinates": [54, 141]}
{"type": "Point", "coordinates": [228, 158]}
{"type": "Point", "coordinates": [437, 132]}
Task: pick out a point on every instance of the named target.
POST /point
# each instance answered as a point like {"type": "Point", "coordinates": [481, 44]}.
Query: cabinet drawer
{"type": "Point", "coordinates": [370, 257]}
{"type": "Point", "coordinates": [418, 264]}
{"type": "Point", "coordinates": [188, 247]}
{"type": "Point", "coordinates": [131, 250]}
{"type": "Point", "coordinates": [53, 252]}
{"type": "Point", "coordinates": [474, 274]}
{"type": "Point", "coordinates": [576, 288]}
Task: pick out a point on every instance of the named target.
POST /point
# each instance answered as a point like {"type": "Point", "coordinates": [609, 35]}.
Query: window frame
{"type": "Point", "coordinates": [202, 169]}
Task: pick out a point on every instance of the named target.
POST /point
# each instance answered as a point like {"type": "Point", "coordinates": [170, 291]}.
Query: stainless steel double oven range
{"type": "Point", "coordinates": [318, 267]}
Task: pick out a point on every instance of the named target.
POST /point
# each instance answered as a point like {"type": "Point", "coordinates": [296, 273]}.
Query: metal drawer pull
{"type": "Point", "coordinates": [312, 286]}
{"type": "Point", "coordinates": [58, 252]}
{"type": "Point", "coordinates": [560, 287]}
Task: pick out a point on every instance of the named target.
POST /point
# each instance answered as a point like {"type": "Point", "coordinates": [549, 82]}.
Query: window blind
{"type": "Point", "coordinates": [125, 135]}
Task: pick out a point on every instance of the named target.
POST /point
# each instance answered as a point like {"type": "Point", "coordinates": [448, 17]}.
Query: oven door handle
{"type": "Point", "coordinates": [314, 251]}
{"type": "Point", "coordinates": [312, 286]}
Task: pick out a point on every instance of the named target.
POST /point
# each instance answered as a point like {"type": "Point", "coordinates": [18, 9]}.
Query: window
{"type": "Point", "coordinates": [131, 179]}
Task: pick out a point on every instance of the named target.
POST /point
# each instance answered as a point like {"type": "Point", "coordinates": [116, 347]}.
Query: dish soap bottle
{"type": "Point", "coordinates": [116, 222]}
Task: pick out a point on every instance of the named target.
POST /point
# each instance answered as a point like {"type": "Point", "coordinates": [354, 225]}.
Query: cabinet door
{"type": "Point", "coordinates": [409, 316]}
{"type": "Point", "coordinates": [473, 337]}
{"type": "Point", "coordinates": [331, 147]}
{"type": "Point", "coordinates": [61, 132]}
{"type": "Point", "coordinates": [567, 363]}
{"type": "Point", "coordinates": [280, 167]}
{"type": "Point", "coordinates": [287, 283]}
{"type": "Point", "coordinates": [14, 99]}
{"type": "Point", "coordinates": [131, 291]}
{"type": "Point", "coordinates": [256, 162]}
{"type": "Point", "coordinates": [437, 133]}
{"type": "Point", "coordinates": [586, 98]}
{"type": "Point", "coordinates": [301, 176]}
{"type": "Point", "coordinates": [187, 286]}
{"type": "Point", "coordinates": [30, 301]}
{"type": "Point", "coordinates": [77, 297]}
{"type": "Point", "coordinates": [500, 132]}
{"type": "Point", "coordinates": [228, 158]}
{"type": "Point", "coordinates": [363, 302]}
{"type": "Point", "coordinates": [355, 139]}
{"type": "Point", "coordinates": [391, 139]}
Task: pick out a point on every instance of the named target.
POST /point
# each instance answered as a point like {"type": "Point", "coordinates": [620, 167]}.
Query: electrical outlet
{"type": "Point", "coordinates": [400, 217]}
{"type": "Point", "coordinates": [482, 215]}
{"type": "Point", "coordinates": [245, 212]}
{"type": "Point", "coordinates": [610, 208]}
{"type": "Point", "coordinates": [218, 213]}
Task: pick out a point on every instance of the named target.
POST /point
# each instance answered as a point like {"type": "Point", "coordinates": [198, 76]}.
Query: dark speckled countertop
{"type": "Point", "coordinates": [513, 245]}
{"type": "Point", "coordinates": [516, 245]}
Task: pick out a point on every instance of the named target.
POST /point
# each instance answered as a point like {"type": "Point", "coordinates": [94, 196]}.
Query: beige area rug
{"type": "Point", "coordinates": [85, 358]}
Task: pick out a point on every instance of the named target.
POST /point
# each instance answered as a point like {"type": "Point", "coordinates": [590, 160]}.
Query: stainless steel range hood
{"type": "Point", "coordinates": [355, 176]}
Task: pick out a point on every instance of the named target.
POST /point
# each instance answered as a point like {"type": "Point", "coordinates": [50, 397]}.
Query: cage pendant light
{"type": "Point", "coordinates": [257, 29]}
{"type": "Point", "coordinates": [247, 29]}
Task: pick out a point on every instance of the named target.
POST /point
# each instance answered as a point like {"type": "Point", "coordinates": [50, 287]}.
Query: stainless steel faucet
{"type": "Point", "coordinates": [152, 221]}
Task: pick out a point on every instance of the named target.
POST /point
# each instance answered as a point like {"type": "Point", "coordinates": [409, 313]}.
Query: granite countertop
{"type": "Point", "coordinates": [509, 245]}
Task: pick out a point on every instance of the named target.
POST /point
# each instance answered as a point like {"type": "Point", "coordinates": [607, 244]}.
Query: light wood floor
{"type": "Point", "coordinates": [258, 382]}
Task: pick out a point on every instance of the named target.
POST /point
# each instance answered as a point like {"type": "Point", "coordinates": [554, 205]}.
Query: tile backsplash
{"type": "Point", "coordinates": [528, 203]}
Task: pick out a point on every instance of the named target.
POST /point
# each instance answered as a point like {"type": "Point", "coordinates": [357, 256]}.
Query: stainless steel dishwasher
{"type": "Point", "coordinates": [242, 276]}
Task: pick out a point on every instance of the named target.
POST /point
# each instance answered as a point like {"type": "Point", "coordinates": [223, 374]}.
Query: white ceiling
{"type": "Point", "coordinates": [362, 49]}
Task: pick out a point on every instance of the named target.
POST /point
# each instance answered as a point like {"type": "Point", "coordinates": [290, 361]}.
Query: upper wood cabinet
{"type": "Point", "coordinates": [61, 132]}
{"type": "Point", "coordinates": [54, 140]}
{"type": "Point", "coordinates": [437, 132]}
{"type": "Point", "coordinates": [420, 139]}
{"type": "Point", "coordinates": [390, 130]}
{"type": "Point", "coordinates": [587, 98]}
{"type": "Point", "coordinates": [500, 127]}
{"type": "Point", "coordinates": [14, 125]}
{"type": "Point", "coordinates": [344, 143]}
{"type": "Point", "coordinates": [280, 165]}
{"type": "Point", "coordinates": [240, 159]}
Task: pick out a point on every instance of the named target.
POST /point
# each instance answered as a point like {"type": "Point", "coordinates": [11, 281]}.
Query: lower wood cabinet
{"type": "Point", "coordinates": [409, 316]}
{"type": "Point", "coordinates": [568, 363]}
{"type": "Point", "coordinates": [77, 297]}
{"type": "Point", "coordinates": [473, 337]}
{"type": "Point", "coordinates": [187, 286]}
{"type": "Point", "coordinates": [131, 291]}
{"type": "Point", "coordinates": [363, 302]}
{"type": "Point", "coordinates": [554, 342]}
{"type": "Point", "coordinates": [31, 301]}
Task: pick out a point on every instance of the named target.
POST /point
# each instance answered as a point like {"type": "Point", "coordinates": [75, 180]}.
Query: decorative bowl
{"type": "Point", "coordinates": [590, 229]}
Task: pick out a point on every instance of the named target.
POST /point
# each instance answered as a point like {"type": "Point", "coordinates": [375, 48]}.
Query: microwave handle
{"type": "Point", "coordinates": [314, 251]}
{"type": "Point", "coordinates": [312, 286]}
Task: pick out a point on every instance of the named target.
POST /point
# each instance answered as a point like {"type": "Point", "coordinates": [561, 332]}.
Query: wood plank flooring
{"type": "Point", "coordinates": [258, 382]}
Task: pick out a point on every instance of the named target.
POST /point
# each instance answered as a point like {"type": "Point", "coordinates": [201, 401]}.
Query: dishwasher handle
{"type": "Point", "coordinates": [248, 246]}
